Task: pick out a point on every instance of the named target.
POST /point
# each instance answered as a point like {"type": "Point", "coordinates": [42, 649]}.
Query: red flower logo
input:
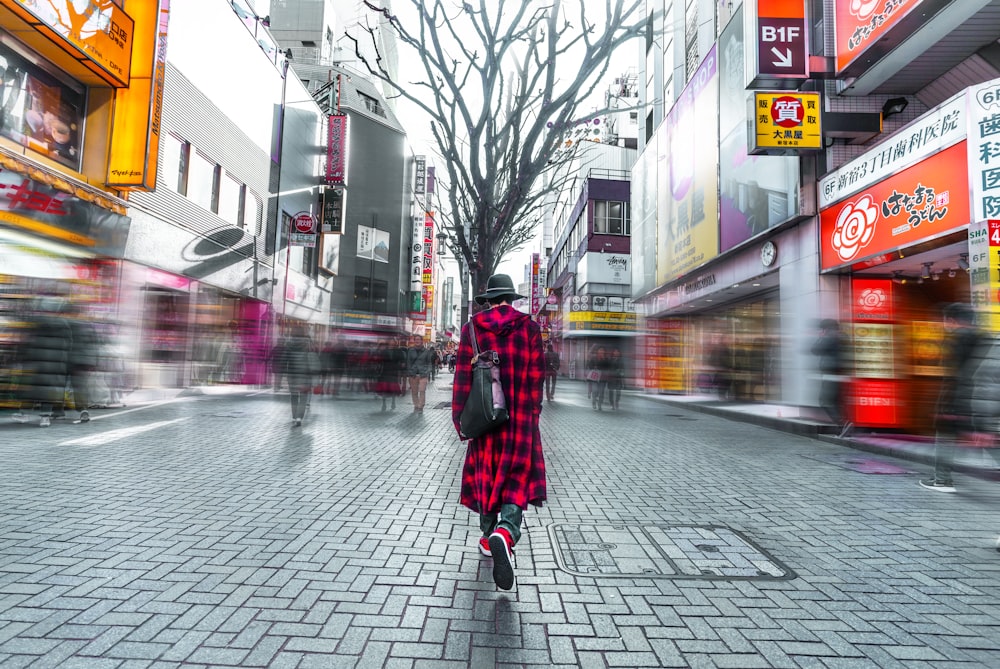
{"type": "Point", "coordinates": [855, 227]}
{"type": "Point", "coordinates": [872, 299]}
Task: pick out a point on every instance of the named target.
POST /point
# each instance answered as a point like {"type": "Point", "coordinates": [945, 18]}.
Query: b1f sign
{"type": "Point", "coordinates": [778, 54]}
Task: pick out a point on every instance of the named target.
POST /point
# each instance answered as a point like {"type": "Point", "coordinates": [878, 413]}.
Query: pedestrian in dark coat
{"type": "Point", "coordinates": [43, 356]}
{"type": "Point", "coordinates": [504, 470]}
{"type": "Point", "coordinates": [296, 358]}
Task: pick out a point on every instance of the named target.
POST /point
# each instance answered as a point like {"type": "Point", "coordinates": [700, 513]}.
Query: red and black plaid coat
{"type": "Point", "coordinates": [505, 466]}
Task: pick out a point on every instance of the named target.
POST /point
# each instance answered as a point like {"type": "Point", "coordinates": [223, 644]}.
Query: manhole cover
{"type": "Point", "coordinates": [662, 551]}
{"type": "Point", "coordinates": [861, 463]}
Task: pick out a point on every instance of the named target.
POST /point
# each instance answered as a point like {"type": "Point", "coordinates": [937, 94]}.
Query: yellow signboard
{"type": "Point", "coordinates": [100, 32]}
{"type": "Point", "coordinates": [135, 131]}
{"type": "Point", "coordinates": [787, 121]}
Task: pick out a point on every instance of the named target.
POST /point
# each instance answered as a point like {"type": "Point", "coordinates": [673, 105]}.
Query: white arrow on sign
{"type": "Point", "coordinates": [784, 58]}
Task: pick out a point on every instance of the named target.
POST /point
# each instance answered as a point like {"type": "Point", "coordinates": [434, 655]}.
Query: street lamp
{"type": "Point", "coordinates": [442, 237]}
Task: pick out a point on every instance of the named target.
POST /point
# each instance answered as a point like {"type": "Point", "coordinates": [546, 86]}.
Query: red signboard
{"type": "Point", "coordinates": [782, 49]}
{"type": "Point", "coordinates": [336, 150]}
{"type": "Point", "coordinates": [861, 23]}
{"type": "Point", "coordinates": [921, 202]}
{"type": "Point", "coordinates": [428, 268]}
{"type": "Point", "coordinates": [304, 222]}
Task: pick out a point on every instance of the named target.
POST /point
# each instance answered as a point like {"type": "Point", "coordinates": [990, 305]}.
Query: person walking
{"type": "Point", "coordinates": [387, 374]}
{"type": "Point", "coordinates": [504, 470]}
{"type": "Point", "coordinates": [43, 356]}
{"type": "Point", "coordinates": [602, 364]}
{"type": "Point", "coordinates": [552, 365]}
{"type": "Point", "coordinates": [954, 413]}
{"type": "Point", "coordinates": [829, 349]}
{"type": "Point", "coordinates": [298, 361]}
{"type": "Point", "coordinates": [84, 356]}
{"type": "Point", "coordinates": [616, 378]}
{"type": "Point", "coordinates": [419, 359]}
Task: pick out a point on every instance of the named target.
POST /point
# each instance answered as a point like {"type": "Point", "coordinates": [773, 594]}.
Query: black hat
{"type": "Point", "coordinates": [499, 285]}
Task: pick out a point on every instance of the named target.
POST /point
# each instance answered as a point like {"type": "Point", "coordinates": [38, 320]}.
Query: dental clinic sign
{"type": "Point", "coordinates": [934, 176]}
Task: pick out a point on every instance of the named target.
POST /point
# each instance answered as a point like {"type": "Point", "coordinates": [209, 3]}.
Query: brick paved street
{"type": "Point", "coordinates": [207, 531]}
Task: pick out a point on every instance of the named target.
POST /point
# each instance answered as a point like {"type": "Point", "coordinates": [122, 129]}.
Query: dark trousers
{"type": "Point", "coordinates": [300, 400]}
{"type": "Point", "coordinates": [509, 518]}
{"type": "Point", "coordinates": [550, 384]}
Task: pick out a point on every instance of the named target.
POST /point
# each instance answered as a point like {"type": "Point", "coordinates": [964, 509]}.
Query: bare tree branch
{"type": "Point", "coordinates": [502, 83]}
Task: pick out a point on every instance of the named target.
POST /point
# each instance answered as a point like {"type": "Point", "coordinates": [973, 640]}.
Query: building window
{"type": "Point", "coordinates": [611, 218]}
{"type": "Point", "coordinates": [372, 104]}
{"type": "Point", "coordinates": [202, 182]}
{"type": "Point", "coordinates": [232, 200]}
{"type": "Point", "coordinates": [370, 294]}
{"type": "Point", "coordinates": [175, 162]}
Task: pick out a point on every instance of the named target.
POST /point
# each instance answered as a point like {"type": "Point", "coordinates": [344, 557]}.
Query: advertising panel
{"type": "Point", "coordinates": [536, 296]}
{"type": "Point", "coordinates": [921, 202]}
{"type": "Point", "coordinates": [644, 221]}
{"type": "Point", "coordinates": [984, 149]}
{"type": "Point", "coordinates": [688, 224]}
{"type": "Point", "coordinates": [329, 253]}
{"type": "Point", "coordinates": [420, 175]}
{"type": "Point", "coordinates": [336, 150]}
{"type": "Point", "coordinates": [604, 268]}
{"type": "Point", "coordinates": [366, 242]}
{"type": "Point", "coordinates": [876, 395]}
{"type": "Point", "coordinates": [932, 132]}
{"type": "Point", "coordinates": [756, 192]}
{"type": "Point", "coordinates": [101, 32]}
{"type": "Point", "coordinates": [786, 122]}
{"type": "Point", "coordinates": [39, 111]}
{"type": "Point", "coordinates": [303, 230]}
{"type": "Point", "coordinates": [664, 355]}
{"type": "Point", "coordinates": [135, 124]}
{"type": "Point", "coordinates": [35, 207]}
{"type": "Point", "coordinates": [334, 200]}
{"type": "Point", "coordinates": [859, 24]}
{"type": "Point", "coordinates": [984, 272]}
{"type": "Point", "coordinates": [416, 255]}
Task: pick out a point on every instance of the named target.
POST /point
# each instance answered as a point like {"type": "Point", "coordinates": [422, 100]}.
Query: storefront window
{"type": "Point", "coordinates": [38, 110]}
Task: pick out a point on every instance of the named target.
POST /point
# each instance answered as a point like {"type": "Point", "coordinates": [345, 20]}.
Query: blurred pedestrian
{"type": "Point", "coordinates": [419, 359]}
{"type": "Point", "coordinates": [43, 358]}
{"type": "Point", "coordinates": [616, 378]}
{"type": "Point", "coordinates": [602, 364]}
{"type": "Point", "coordinates": [552, 365]}
{"type": "Point", "coordinates": [829, 350]}
{"type": "Point", "coordinates": [504, 469]}
{"type": "Point", "coordinates": [296, 358]}
{"type": "Point", "coordinates": [84, 359]}
{"type": "Point", "coordinates": [954, 414]}
{"type": "Point", "coordinates": [387, 375]}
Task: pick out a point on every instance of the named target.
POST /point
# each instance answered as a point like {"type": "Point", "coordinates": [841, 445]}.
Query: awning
{"type": "Point", "coordinates": [573, 334]}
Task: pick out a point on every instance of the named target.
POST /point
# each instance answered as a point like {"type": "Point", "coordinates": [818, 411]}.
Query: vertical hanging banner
{"type": "Point", "coordinates": [984, 272]}
{"type": "Point", "coordinates": [428, 260]}
{"type": "Point", "coordinates": [536, 297]}
{"type": "Point", "coordinates": [778, 55]}
{"type": "Point", "coordinates": [983, 104]}
{"type": "Point", "coordinates": [430, 180]}
{"type": "Point", "coordinates": [416, 256]}
{"type": "Point", "coordinates": [336, 150]}
{"type": "Point", "coordinates": [420, 175]}
{"type": "Point", "coordinates": [135, 124]}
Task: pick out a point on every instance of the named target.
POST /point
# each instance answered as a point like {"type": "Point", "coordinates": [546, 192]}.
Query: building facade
{"type": "Point", "coordinates": [742, 250]}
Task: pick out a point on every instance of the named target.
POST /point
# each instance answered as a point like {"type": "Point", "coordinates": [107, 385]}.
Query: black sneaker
{"type": "Point", "coordinates": [503, 559]}
{"type": "Point", "coordinates": [934, 484]}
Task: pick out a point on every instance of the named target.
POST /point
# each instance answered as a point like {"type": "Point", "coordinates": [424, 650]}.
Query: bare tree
{"type": "Point", "coordinates": [502, 83]}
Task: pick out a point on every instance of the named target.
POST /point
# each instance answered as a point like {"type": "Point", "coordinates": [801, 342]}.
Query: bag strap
{"type": "Point", "coordinates": [475, 344]}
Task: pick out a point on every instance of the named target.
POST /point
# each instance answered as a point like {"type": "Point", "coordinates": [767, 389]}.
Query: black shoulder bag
{"type": "Point", "coordinates": [486, 408]}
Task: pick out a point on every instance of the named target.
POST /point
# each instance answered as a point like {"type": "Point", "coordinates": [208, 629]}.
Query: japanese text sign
{"type": "Point", "coordinates": [336, 150]}
{"type": "Point", "coordinates": [428, 264]}
{"type": "Point", "coordinates": [859, 24]}
{"type": "Point", "coordinates": [921, 202]}
{"type": "Point", "coordinates": [101, 32]}
{"type": "Point", "coordinates": [786, 121]}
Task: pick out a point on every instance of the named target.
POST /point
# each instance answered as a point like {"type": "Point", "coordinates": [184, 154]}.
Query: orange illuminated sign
{"type": "Point", "coordinates": [861, 23]}
{"type": "Point", "coordinates": [135, 135]}
{"type": "Point", "coordinates": [100, 32]}
{"type": "Point", "coordinates": [921, 202]}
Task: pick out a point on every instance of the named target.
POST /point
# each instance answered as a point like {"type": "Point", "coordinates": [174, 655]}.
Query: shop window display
{"type": "Point", "coordinates": [38, 110]}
